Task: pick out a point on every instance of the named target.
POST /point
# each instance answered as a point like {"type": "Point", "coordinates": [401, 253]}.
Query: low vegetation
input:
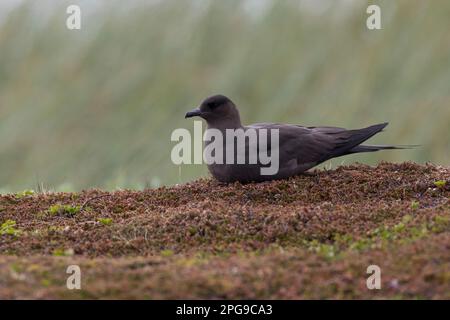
{"type": "Point", "coordinates": [63, 210]}
{"type": "Point", "coordinates": [311, 236]}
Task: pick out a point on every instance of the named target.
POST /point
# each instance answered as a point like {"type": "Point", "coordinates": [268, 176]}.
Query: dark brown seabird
{"type": "Point", "coordinates": [300, 148]}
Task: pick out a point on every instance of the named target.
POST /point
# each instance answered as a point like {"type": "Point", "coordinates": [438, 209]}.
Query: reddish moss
{"type": "Point", "coordinates": [306, 237]}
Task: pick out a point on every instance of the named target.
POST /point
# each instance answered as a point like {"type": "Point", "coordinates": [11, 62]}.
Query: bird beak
{"type": "Point", "coordinates": [193, 113]}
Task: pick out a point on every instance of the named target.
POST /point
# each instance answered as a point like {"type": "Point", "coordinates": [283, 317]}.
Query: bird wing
{"type": "Point", "coordinates": [317, 144]}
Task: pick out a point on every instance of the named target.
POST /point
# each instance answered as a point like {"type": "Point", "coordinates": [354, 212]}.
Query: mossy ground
{"type": "Point", "coordinates": [311, 236]}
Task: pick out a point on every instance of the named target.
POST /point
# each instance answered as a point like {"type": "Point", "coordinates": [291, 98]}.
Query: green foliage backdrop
{"type": "Point", "coordinates": [96, 107]}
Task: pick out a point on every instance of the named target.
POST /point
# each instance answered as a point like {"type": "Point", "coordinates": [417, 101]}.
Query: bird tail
{"type": "Point", "coordinates": [373, 148]}
{"type": "Point", "coordinates": [355, 137]}
{"type": "Point", "coordinates": [349, 141]}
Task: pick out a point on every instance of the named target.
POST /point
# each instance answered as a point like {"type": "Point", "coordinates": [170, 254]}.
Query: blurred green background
{"type": "Point", "coordinates": [96, 107]}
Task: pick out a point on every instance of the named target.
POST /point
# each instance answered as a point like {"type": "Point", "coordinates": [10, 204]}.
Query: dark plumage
{"type": "Point", "coordinates": [300, 148]}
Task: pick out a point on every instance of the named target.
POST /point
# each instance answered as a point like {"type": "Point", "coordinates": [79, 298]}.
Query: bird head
{"type": "Point", "coordinates": [218, 111]}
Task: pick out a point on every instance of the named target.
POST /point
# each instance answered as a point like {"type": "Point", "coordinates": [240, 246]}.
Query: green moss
{"type": "Point", "coordinates": [46, 282]}
{"type": "Point", "coordinates": [362, 244]}
{"type": "Point", "coordinates": [24, 194]}
{"type": "Point", "coordinates": [167, 253]}
{"type": "Point", "coordinates": [55, 229]}
{"type": "Point", "coordinates": [402, 232]}
{"type": "Point", "coordinates": [406, 218]}
{"type": "Point", "coordinates": [323, 249]}
{"type": "Point", "coordinates": [440, 224]}
{"type": "Point", "coordinates": [63, 210]}
{"type": "Point", "coordinates": [63, 252]}
{"type": "Point", "coordinates": [416, 232]}
{"type": "Point", "coordinates": [9, 228]}
{"type": "Point", "coordinates": [192, 230]}
{"type": "Point", "coordinates": [415, 205]}
{"type": "Point", "coordinates": [105, 221]}
{"type": "Point", "coordinates": [440, 183]}
{"type": "Point", "coordinates": [16, 267]}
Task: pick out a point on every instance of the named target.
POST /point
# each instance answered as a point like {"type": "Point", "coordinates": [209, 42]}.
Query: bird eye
{"type": "Point", "coordinates": [212, 105]}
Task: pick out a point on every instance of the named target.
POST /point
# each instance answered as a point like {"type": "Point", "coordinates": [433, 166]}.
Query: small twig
{"type": "Point", "coordinates": [89, 222]}
{"type": "Point", "coordinates": [92, 199]}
